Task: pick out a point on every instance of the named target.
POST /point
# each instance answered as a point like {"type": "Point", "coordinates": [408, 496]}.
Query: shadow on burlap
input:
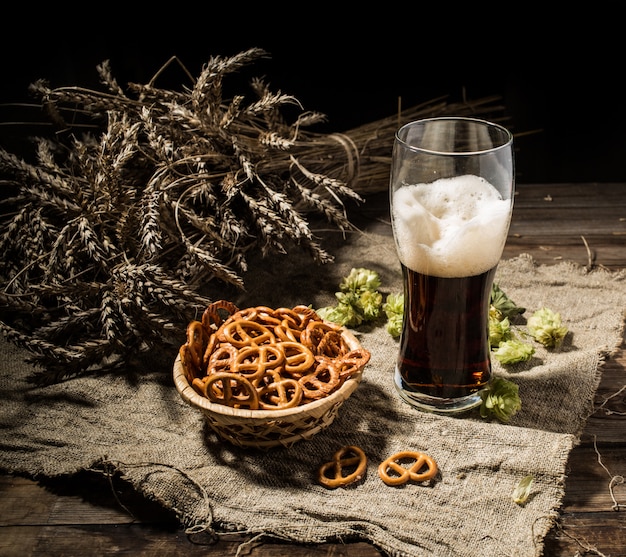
{"type": "Point", "coordinates": [141, 427]}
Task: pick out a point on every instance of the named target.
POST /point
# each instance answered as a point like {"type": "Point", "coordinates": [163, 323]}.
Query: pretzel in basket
{"type": "Point", "coordinates": [211, 317]}
{"type": "Point", "coordinates": [351, 362]}
{"type": "Point", "coordinates": [192, 351]}
{"type": "Point", "coordinates": [288, 356]}
{"type": "Point", "coordinates": [323, 339]}
{"type": "Point", "coordinates": [254, 361]}
{"type": "Point", "coordinates": [279, 392]}
{"type": "Point", "coordinates": [298, 358]}
{"type": "Point", "coordinates": [230, 389]}
{"type": "Point", "coordinates": [221, 359]}
{"type": "Point", "coordinates": [245, 332]}
{"type": "Point", "coordinates": [322, 381]}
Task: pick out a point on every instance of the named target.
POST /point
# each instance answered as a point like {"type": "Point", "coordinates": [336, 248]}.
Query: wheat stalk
{"type": "Point", "coordinates": [108, 237]}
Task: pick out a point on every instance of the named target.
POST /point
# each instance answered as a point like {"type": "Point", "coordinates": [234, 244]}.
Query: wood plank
{"type": "Point", "coordinates": [69, 541]}
{"type": "Point", "coordinates": [579, 223]}
{"type": "Point", "coordinates": [23, 502]}
{"type": "Point", "coordinates": [587, 483]}
{"type": "Point", "coordinates": [80, 517]}
{"type": "Point", "coordinates": [598, 533]}
{"type": "Point", "coordinates": [140, 540]}
{"type": "Point", "coordinates": [571, 194]}
{"type": "Point", "coordinates": [572, 222]}
{"type": "Point", "coordinates": [602, 255]}
{"type": "Point", "coordinates": [27, 503]}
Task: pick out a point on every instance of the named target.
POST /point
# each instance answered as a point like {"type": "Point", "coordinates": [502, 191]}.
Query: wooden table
{"type": "Point", "coordinates": [585, 223]}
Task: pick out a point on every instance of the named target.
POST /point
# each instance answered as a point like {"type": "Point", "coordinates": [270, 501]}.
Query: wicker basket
{"type": "Point", "coordinates": [269, 428]}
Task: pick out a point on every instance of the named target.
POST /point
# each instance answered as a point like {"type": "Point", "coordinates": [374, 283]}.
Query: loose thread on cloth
{"type": "Point", "coordinates": [588, 549]}
{"type": "Point", "coordinates": [614, 480]}
{"type": "Point", "coordinates": [261, 537]}
{"type": "Point", "coordinates": [538, 538]}
{"type": "Point", "coordinates": [608, 412]}
{"type": "Point", "coordinates": [110, 466]}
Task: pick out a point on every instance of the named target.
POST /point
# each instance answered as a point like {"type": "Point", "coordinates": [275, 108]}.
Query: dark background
{"type": "Point", "coordinates": [561, 82]}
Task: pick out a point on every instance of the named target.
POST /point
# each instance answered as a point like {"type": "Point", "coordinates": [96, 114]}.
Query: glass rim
{"type": "Point", "coordinates": [486, 123]}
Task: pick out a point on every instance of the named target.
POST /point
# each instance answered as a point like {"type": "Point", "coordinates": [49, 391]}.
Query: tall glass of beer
{"type": "Point", "coordinates": [451, 197]}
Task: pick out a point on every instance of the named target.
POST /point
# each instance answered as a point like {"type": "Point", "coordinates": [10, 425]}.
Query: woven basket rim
{"type": "Point", "coordinates": [192, 397]}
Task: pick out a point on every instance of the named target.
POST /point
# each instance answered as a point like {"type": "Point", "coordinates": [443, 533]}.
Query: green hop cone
{"type": "Point", "coordinates": [499, 330]}
{"type": "Point", "coordinates": [394, 325]}
{"type": "Point", "coordinates": [360, 280]}
{"type": "Point", "coordinates": [546, 327]}
{"type": "Point", "coordinates": [370, 303]}
{"type": "Point", "coordinates": [513, 351]}
{"type": "Point", "coordinates": [341, 314]}
{"type": "Point", "coordinates": [394, 310]}
{"type": "Point", "coordinates": [501, 400]}
{"type": "Point", "coordinates": [358, 300]}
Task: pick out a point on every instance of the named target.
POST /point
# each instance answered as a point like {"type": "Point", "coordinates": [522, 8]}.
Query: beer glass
{"type": "Point", "coordinates": [451, 199]}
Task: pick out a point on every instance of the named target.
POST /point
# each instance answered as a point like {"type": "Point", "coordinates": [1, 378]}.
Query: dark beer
{"type": "Point", "coordinates": [444, 346]}
{"type": "Point", "coordinates": [451, 192]}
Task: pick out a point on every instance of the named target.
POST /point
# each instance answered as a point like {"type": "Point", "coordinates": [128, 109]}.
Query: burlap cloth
{"type": "Point", "coordinates": [137, 424]}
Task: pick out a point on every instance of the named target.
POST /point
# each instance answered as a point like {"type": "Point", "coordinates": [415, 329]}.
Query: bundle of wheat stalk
{"type": "Point", "coordinates": [108, 236]}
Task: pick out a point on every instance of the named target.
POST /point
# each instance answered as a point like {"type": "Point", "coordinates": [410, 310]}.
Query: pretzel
{"type": "Point", "coordinates": [412, 473]}
{"type": "Point", "coordinates": [296, 318]}
{"type": "Point", "coordinates": [221, 358]}
{"type": "Point", "coordinates": [279, 393]}
{"type": "Point", "coordinates": [287, 332]}
{"type": "Point", "coordinates": [230, 389]}
{"type": "Point", "coordinates": [314, 332]}
{"type": "Point", "coordinates": [331, 344]}
{"type": "Point", "coordinates": [249, 314]}
{"type": "Point", "coordinates": [291, 315]}
{"type": "Point", "coordinates": [342, 461]}
{"type": "Point", "coordinates": [187, 362]}
{"type": "Point", "coordinates": [352, 361]}
{"type": "Point", "coordinates": [254, 361]}
{"type": "Point", "coordinates": [243, 332]}
{"type": "Point", "coordinates": [307, 314]}
{"type": "Point", "coordinates": [294, 322]}
{"type": "Point", "coordinates": [192, 353]}
{"type": "Point", "coordinates": [266, 316]}
{"type": "Point", "coordinates": [298, 358]}
{"type": "Point", "coordinates": [323, 338]}
{"type": "Point", "coordinates": [211, 316]}
{"type": "Point", "coordinates": [322, 381]}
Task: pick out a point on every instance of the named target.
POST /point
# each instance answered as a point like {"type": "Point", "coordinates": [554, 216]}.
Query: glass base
{"type": "Point", "coordinates": [433, 404]}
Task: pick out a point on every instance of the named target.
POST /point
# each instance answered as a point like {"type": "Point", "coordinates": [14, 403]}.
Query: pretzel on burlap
{"type": "Point", "coordinates": [288, 357]}
{"type": "Point", "coordinates": [423, 468]}
{"type": "Point", "coordinates": [349, 457]}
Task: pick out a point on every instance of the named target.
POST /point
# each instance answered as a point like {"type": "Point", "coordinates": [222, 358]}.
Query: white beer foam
{"type": "Point", "coordinates": [454, 227]}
